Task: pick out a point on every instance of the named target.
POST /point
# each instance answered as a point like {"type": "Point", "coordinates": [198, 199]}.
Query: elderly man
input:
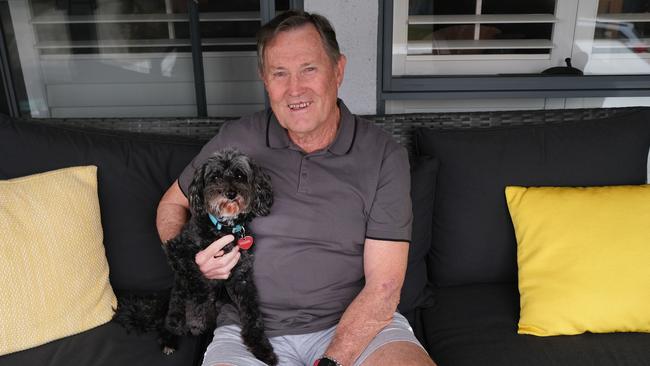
{"type": "Point", "coordinates": [331, 256]}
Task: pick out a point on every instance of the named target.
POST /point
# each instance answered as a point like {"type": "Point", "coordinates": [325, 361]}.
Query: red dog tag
{"type": "Point", "coordinates": [246, 242]}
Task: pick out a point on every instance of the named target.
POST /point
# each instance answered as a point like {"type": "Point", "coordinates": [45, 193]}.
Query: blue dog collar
{"type": "Point", "coordinates": [236, 229]}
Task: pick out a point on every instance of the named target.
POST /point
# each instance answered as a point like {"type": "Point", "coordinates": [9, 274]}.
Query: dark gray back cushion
{"type": "Point", "coordinates": [473, 238]}
{"type": "Point", "coordinates": [134, 170]}
{"type": "Point", "coordinates": [417, 290]}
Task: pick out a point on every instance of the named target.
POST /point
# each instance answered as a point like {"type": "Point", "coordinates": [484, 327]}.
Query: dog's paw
{"type": "Point", "coordinates": [167, 350]}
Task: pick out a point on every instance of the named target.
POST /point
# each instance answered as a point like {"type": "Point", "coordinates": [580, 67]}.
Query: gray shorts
{"type": "Point", "coordinates": [296, 350]}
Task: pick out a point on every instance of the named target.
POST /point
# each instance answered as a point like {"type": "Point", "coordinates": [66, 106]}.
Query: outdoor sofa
{"type": "Point", "coordinates": [461, 291]}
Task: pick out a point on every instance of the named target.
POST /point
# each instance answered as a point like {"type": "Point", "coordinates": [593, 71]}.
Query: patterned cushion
{"type": "Point", "coordinates": [52, 263]}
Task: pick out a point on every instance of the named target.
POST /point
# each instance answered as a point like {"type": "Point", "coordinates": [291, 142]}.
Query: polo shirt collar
{"type": "Point", "coordinates": [277, 137]}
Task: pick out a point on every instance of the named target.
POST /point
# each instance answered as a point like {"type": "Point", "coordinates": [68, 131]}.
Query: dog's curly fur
{"type": "Point", "coordinates": [230, 187]}
{"type": "Point", "coordinates": [143, 312]}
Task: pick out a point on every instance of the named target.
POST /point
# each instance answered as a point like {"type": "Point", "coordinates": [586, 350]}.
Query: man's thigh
{"type": "Point", "coordinates": [394, 345]}
{"type": "Point", "coordinates": [227, 348]}
{"type": "Point", "coordinates": [399, 353]}
{"type": "Point", "coordinates": [304, 349]}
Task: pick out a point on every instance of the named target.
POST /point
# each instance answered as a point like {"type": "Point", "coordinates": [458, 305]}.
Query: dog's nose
{"type": "Point", "coordinates": [231, 195]}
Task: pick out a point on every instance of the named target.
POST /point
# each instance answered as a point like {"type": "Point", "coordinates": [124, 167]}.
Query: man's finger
{"type": "Point", "coordinates": [213, 250]}
{"type": "Point", "coordinates": [219, 265]}
{"type": "Point", "coordinates": [223, 266]}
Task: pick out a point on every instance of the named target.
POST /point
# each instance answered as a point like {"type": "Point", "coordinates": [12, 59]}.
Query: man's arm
{"type": "Point", "coordinates": [173, 213]}
{"type": "Point", "coordinates": [384, 267]}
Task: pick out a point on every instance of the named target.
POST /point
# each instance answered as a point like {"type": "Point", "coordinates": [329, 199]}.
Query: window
{"type": "Point", "coordinates": [135, 58]}
{"type": "Point", "coordinates": [498, 48]}
{"type": "Point", "coordinates": [613, 37]}
{"type": "Point", "coordinates": [479, 36]}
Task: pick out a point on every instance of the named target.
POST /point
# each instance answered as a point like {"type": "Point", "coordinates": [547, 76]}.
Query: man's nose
{"type": "Point", "coordinates": [295, 85]}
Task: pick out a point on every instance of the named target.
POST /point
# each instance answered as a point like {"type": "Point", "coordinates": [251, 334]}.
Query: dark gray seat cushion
{"type": "Point", "coordinates": [477, 325]}
{"type": "Point", "coordinates": [106, 345]}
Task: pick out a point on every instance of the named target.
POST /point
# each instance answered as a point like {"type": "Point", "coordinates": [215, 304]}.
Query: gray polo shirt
{"type": "Point", "coordinates": [309, 250]}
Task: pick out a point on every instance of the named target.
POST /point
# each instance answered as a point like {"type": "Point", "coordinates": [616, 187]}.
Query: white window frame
{"type": "Point", "coordinates": [410, 64]}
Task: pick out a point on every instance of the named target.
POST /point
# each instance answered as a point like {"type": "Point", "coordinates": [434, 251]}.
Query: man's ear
{"type": "Point", "coordinates": [340, 69]}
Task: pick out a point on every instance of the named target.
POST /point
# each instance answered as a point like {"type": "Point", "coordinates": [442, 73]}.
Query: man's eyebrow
{"type": "Point", "coordinates": [305, 64]}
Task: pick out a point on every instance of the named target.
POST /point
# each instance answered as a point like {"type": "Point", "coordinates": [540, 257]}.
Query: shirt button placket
{"type": "Point", "coordinates": [304, 176]}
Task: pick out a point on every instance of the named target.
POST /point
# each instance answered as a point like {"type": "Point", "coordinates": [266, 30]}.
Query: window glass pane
{"type": "Point", "coordinates": [517, 31]}
{"type": "Point", "coordinates": [440, 39]}
{"type": "Point", "coordinates": [487, 27]}
{"type": "Point", "coordinates": [518, 7]}
{"type": "Point", "coordinates": [442, 7]}
{"type": "Point", "coordinates": [224, 6]}
{"type": "Point", "coordinates": [228, 30]}
{"type": "Point", "coordinates": [486, 31]}
{"type": "Point", "coordinates": [102, 58]}
{"type": "Point", "coordinates": [282, 5]}
{"type": "Point", "coordinates": [616, 40]}
{"type": "Point", "coordinates": [103, 31]}
{"type": "Point", "coordinates": [92, 27]}
{"type": "Point", "coordinates": [625, 31]}
{"type": "Point", "coordinates": [623, 6]}
{"type": "Point", "coordinates": [86, 7]}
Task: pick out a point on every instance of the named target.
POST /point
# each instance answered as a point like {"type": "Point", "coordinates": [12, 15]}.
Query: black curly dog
{"type": "Point", "coordinates": [226, 193]}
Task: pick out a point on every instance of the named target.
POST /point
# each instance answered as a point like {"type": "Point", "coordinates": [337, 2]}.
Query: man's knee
{"type": "Point", "coordinates": [399, 353]}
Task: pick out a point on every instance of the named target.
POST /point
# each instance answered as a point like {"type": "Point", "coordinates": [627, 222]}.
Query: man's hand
{"type": "Point", "coordinates": [214, 263]}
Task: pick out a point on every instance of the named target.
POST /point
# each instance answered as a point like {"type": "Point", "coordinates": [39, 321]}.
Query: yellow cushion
{"type": "Point", "coordinates": [53, 269]}
{"type": "Point", "coordinates": [584, 258]}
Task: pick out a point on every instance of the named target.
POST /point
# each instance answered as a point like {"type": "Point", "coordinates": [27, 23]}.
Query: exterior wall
{"type": "Point", "coordinates": [355, 22]}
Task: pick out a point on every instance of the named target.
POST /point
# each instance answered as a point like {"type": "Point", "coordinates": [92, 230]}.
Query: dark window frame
{"type": "Point", "coordinates": [391, 87]}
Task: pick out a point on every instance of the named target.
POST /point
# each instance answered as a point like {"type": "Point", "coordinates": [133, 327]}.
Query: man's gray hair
{"type": "Point", "coordinates": [293, 19]}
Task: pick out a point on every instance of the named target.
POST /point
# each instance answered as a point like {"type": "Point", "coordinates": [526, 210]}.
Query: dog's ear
{"type": "Point", "coordinates": [197, 206]}
{"type": "Point", "coordinates": [263, 192]}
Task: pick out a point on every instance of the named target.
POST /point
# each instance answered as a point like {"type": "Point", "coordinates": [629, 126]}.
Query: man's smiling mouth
{"type": "Point", "coordinates": [298, 106]}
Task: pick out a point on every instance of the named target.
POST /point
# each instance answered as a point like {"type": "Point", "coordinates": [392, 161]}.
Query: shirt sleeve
{"type": "Point", "coordinates": [391, 215]}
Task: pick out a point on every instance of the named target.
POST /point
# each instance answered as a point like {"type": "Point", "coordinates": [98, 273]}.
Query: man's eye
{"type": "Point", "coordinates": [310, 69]}
{"type": "Point", "coordinates": [279, 74]}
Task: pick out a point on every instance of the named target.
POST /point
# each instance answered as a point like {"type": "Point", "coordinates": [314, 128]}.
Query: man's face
{"type": "Point", "coordinates": [302, 81]}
